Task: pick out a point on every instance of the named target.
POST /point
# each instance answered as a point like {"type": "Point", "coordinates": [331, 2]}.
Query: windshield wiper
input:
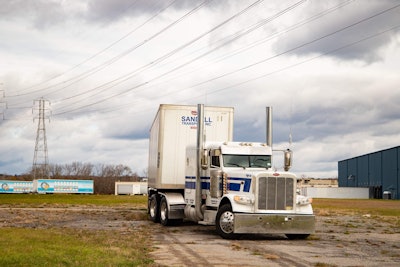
{"type": "Point", "coordinates": [235, 164]}
{"type": "Point", "coordinates": [256, 165]}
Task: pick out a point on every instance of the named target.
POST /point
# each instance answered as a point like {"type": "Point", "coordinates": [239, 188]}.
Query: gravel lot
{"type": "Point", "coordinates": [349, 240]}
{"type": "Point", "coordinates": [340, 239]}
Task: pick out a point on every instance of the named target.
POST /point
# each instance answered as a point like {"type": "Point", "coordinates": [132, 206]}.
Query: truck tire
{"type": "Point", "coordinates": [225, 222]}
{"type": "Point", "coordinates": [297, 236]}
{"type": "Point", "coordinates": [154, 208]}
{"type": "Point", "coordinates": [164, 212]}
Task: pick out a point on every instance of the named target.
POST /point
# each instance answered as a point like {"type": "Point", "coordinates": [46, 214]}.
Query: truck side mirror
{"type": "Point", "coordinates": [288, 155]}
{"type": "Point", "coordinates": [204, 159]}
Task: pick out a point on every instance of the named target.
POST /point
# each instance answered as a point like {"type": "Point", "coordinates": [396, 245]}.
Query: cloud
{"type": "Point", "coordinates": [44, 14]}
{"type": "Point", "coordinates": [357, 21]}
{"type": "Point", "coordinates": [334, 105]}
{"type": "Point", "coordinates": [40, 13]}
{"type": "Point", "coordinates": [103, 11]}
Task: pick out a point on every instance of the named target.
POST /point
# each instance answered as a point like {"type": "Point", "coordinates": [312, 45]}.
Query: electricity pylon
{"type": "Point", "coordinates": [40, 167]}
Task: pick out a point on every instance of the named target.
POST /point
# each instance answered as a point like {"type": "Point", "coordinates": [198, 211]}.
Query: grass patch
{"type": "Point", "coordinates": [49, 245]}
{"type": "Point", "coordinates": [40, 200]}
{"type": "Point", "coordinates": [71, 247]}
{"type": "Point", "coordinates": [376, 207]}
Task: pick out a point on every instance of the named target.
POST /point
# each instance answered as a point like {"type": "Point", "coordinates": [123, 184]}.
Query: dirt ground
{"type": "Point", "coordinates": [340, 239]}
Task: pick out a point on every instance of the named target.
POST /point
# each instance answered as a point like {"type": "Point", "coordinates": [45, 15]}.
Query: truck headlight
{"type": "Point", "coordinates": [246, 200]}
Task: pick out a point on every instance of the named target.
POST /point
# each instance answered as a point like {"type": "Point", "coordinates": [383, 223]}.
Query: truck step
{"type": "Point", "coordinates": [206, 223]}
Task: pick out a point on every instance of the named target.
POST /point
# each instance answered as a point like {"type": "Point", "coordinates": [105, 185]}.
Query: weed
{"type": "Point", "coordinates": [314, 237]}
{"type": "Point", "coordinates": [271, 256]}
{"type": "Point", "coordinates": [236, 246]}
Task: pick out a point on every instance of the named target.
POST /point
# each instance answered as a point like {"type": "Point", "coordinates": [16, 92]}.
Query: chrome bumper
{"type": "Point", "coordinates": [274, 223]}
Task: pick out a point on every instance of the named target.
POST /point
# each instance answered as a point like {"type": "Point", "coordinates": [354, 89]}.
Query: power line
{"type": "Point", "coordinates": [164, 57]}
{"type": "Point", "coordinates": [297, 47]}
{"type": "Point", "coordinates": [98, 68]}
{"type": "Point", "coordinates": [268, 38]}
{"type": "Point", "coordinates": [306, 61]}
{"type": "Point", "coordinates": [243, 68]}
{"type": "Point", "coordinates": [286, 67]}
{"type": "Point", "coordinates": [269, 73]}
{"type": "Point", "coordinates": [126, 77]}
{"type": "Point", "coordinates": [225, 40]}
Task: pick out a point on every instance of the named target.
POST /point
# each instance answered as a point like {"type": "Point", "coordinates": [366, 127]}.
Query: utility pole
{"type": "Point", "coordinates": [40, 167]}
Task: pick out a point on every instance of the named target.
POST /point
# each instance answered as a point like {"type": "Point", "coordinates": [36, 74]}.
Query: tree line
{"type": "Point", "coordinates": [89, 169]}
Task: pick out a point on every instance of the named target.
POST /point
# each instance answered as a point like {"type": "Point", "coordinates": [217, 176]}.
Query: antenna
{"type": "Point", "coordinates": [40, 167]}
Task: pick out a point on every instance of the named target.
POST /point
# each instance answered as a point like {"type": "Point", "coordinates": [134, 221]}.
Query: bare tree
{"type": "Point", "coordinates": [55, 170]}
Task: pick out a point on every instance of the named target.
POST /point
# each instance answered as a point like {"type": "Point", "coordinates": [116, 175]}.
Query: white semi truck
{"type": "Point", "coordinates": [197, 173]}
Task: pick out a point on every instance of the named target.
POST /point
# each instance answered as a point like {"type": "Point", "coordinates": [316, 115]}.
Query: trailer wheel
{"type": "Point", "coordinates": [297, 236]}
{"type": "Point", "coordinates": [153, 209]}
{"type": "Point", "coordinates": [164, 212]}
{"type": "Point", "coordinates": [225, 222]}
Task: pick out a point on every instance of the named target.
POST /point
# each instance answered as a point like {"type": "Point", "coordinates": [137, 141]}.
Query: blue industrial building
{"type": "Point", "coordinates": [380, 171]}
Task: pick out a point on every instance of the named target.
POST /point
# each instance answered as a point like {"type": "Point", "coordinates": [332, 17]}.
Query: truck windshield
{"type": "Point", "coordinates": [247, 161]}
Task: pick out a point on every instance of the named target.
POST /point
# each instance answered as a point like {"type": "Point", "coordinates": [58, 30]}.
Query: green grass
{"type": "Point", "coordinates": [36, 200]}
{"type": "Point", "coordinates": [71, 247]}
{"type": "Point", "coordinates": [62, 246]}
{"type": "Point", "coordinates": [377, 207]}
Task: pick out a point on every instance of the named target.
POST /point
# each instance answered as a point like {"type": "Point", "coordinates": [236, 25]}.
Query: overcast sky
{"type": "Point", "coordinates": [329, 69]}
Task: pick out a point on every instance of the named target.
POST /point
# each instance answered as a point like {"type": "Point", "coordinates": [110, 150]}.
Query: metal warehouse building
{"type": "Point", "coordinates": [380, 171]}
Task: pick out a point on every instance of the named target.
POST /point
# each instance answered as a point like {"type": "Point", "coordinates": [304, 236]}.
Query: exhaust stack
{"type": "Point", "coordinates": [269, 127]}
{"type": "Point", "coordinates": [200, 149]}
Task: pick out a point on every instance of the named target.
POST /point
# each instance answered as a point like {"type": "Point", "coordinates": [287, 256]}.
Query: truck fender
{"type": "Point", "coordinates": [175, 203]}
{"type": "Point", "coordinates": [229, 199]}
{"type": "Point", "coordinates": [173, 198]}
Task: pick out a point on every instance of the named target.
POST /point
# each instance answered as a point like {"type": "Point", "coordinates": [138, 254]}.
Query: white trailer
{"type": "Point", "coordinates": [173, 130]}
{"type": "Point", "coordinates": [238, 190]}
{"type": "Point", "coordinates": [130, 188]}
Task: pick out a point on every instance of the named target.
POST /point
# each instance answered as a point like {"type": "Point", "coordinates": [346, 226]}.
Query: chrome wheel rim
{"type": "Point", "coordinates": [226, 222]}
{"type": "Point", "coordinates": [153, 208]}
{"type": "Point", "coordinates": [163, 211]}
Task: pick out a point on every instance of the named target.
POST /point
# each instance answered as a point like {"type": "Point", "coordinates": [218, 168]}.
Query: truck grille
{"type": "Point", "coordinates": [275, 193]}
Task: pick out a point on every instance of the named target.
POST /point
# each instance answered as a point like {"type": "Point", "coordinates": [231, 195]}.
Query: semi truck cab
{"type": "Point", "coordinates": [241, 193]}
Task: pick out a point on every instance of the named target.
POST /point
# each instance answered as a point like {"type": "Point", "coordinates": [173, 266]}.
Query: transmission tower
{"type": "Point", "coordinates": [40, 167]}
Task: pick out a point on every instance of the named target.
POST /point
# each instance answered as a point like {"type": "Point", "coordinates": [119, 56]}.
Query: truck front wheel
{"type": "Point", "coordinates": [225, 222]}
{"type": "Point", "coordinates": [153, 208]}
